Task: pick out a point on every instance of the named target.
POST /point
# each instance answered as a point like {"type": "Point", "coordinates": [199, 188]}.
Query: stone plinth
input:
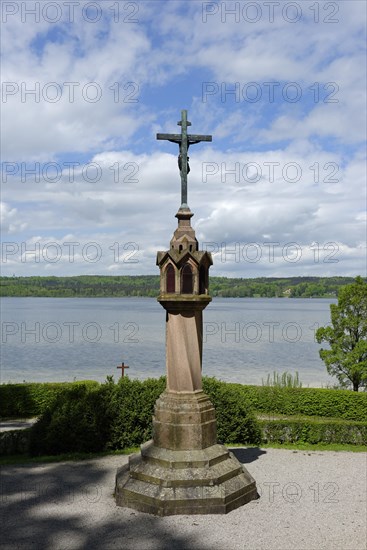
{"type": "Point", "coordinates": [184, 421]}
{"type": "Point", "coordinates": [183, 470]}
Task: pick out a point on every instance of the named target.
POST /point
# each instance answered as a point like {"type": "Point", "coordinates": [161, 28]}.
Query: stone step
{"type": "Point", "coordinates": [198, 458]}
{"type": "Point", "coordinates": [144, 470]}
{"type": "Point", "coordinates": [216, 499]}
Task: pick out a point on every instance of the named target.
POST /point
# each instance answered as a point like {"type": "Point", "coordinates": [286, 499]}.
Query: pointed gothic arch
{"type": "Point", "coordinates": [203, 280]}
{"type": "Point", "coordinates": [170, 279]}
{"type": "Point", "coordinates": [187, 280]}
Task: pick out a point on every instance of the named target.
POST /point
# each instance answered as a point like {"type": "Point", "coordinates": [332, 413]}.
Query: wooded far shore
{"type": "Point", "coordinates": [94, 286]}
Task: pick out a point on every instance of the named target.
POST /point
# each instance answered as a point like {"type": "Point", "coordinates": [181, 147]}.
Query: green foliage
{"type": "Point", "coordinates": [82, 286]}
{"type": "Point", "coordinates": [314, 431]}
{"type": "Point", "coordinates": [284, 380]}
{"type": "Point", "coordinates": [92, 417]}
{"type": "Point", "coordinates": [130, 409]}
{"type": "Point", "coordinates": [269, 287]}
{"type": "Point", "coordinates": [235, 421]}
{"type": "Point", "coordinates": [347, 336]}
{"type": "Point", "coordinates": [148, 285]}
{"type": "Point", "coordinates": [114, 416]}
{"type": "Point", "coordinates": [307, 401]}
{"type": "Point", "coordinates": [75, 422]}
{"type": "Point", "coordinates": [32, 399]}
{"type": "Point", "coordinates": [14, 442]}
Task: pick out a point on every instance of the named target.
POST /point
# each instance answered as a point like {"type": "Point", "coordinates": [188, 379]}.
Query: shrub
{"type": "Point", "coordinates": [32, 399]}
{"type": "Point", "coordinates": [235, 421]}
{"type": "Point", "coordinates": [314, 431]}
{"type": "Point", "coordinates": [91, 419]}
{"type": "Point", "coordinates": [14, 442]}
{"type": "Point", "coordinates": [74, 422]}
{"type": "Point", "coordinates": [307, 401]}
{"type": "Point", "coordinates": [130, 409]}
{"type": "Point", "coordinates": [115, 416]}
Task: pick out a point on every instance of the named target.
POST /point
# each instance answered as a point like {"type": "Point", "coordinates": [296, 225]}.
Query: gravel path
{"type": "Point", "coordinates": [16, 424]}
{"type": "Point", "coordinates": [309, 501]}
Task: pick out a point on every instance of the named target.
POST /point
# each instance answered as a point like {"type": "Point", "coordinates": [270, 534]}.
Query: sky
{"type": "Point", "coordinates": [87, 188]}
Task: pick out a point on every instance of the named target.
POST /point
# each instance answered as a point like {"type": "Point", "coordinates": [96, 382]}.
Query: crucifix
{"type": "Point", "coordinates": [122, 367]}
{"type": "Point", "coordinates": [184, 140]}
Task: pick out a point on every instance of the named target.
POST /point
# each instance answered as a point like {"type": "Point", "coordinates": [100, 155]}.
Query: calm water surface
{"type": "Point", "coordinates": [62, 339]}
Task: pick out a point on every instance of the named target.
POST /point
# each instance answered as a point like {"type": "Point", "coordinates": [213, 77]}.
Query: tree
{"type": "Point", "coordinates": [347, 357]}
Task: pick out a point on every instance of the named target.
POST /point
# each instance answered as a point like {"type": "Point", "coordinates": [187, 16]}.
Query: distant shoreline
{"type": "Point", "coordinates": [327, 297]}
{"type": "Point", "coordinates": [148, 286]}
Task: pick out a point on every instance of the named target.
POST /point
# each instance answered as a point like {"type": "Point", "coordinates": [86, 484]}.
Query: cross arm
{"type": "Point", "coordinates": [191, 138]}
{"type": "Point", "coordinates": [170, 137]}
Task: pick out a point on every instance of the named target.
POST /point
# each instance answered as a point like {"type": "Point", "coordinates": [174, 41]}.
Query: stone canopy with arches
{"type": "Point", "coordinates": [183, 268]}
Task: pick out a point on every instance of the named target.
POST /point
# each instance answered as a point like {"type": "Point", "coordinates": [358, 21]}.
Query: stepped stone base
{"type": "Point", "coordinates": [183, 470]}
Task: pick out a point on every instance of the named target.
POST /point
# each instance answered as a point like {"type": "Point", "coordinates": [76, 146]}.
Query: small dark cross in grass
{"type": "Point", "coordinates": [122, 367]}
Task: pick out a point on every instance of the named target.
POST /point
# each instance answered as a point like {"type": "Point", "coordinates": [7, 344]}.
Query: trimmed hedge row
{"type": "Point", "coordinates": [28, 400]}
{"type": "Point", "coordinates": [92, 417]}
{"type": "Point", "coordinates": [31, 399]}
{"type": "Point", "coordinates": [115, 416]}
{"type": "Point", "coordinates": [310, 431]}
{"type": "Point", "coordinates": [307, 401]}
{"type": "Point", "coordinates": [14, 442]}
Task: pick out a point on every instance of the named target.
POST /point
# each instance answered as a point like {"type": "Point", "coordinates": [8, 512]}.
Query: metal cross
{"type": "Point", "coordinates": [122, 367]}
{"type": "Point", "coordinates": [184, 141]}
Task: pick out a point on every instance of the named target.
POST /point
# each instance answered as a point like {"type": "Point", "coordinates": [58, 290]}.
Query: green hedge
{"type": "Point", "coordinates": [27, 400]}
{"type": "Point", "coordinates": [130, 409]}
{"type": "Point", "coordinates": [314, 431]}
{"type": "Point", "coordinates": [32, 399]}
{"type": "Point", "coordinates": [14, 442]}
{"type": "Point", "coordinates": [91, 417]}
{"type": "Point", "coordinates": [235, 420]}
{"type": "Point", "coordinates": [74, 422]}
{"type": "Point", "coordinates": [114, 416]}
{"type": "Point", "coordinates": [307, 401]}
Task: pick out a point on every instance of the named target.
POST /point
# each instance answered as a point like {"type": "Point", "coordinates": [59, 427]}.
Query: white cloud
{"type": "Point", "coordinates": [10, 221]}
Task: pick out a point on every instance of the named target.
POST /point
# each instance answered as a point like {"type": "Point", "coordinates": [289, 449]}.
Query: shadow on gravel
{"type": "Point", "coordinates": [245, 456]}
{"type": "Point", "coordinates": [48, 507]}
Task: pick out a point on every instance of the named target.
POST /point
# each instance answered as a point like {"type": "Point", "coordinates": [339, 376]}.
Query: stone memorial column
{"type": "Point", "coordinates": [183, 470]}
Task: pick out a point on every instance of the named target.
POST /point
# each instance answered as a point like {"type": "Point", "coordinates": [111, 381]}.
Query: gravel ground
{"type": "Point", "coordinates": [309, 501]}
{"type": "Point", "coordinates": [19, 424]}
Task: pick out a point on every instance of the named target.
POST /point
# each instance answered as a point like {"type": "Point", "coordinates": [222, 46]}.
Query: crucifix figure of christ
{"type": "Point", "coordinates": [184, 140]}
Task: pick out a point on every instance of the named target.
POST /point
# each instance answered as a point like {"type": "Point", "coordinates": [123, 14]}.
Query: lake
{"type": "Point", "coordinates": [65, 339]}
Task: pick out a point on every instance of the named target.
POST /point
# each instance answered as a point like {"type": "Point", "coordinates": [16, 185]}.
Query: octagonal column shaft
{"type": "Point", "coordinates": [184, 334]}
{"type": "Point", "coordinates": [184, 341]}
